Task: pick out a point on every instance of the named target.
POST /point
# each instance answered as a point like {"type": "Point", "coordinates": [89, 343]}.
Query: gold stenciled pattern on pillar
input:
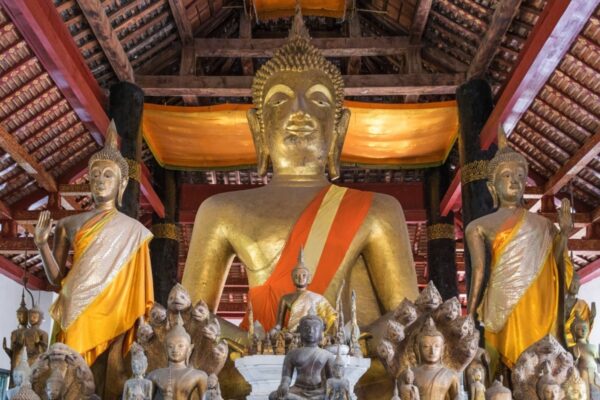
{"type": "Point", "coordinates": [474, 171]}
{"type": "Point", "coordinates": [165, 231]}
{"type": "Point", "coordinates": [440, 231]}
{"type": "Point", "coordinates": [135, 171]}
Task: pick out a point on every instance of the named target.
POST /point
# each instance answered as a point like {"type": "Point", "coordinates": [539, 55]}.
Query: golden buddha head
{"type": "Point", "coordinates": [431, 343]}
{"type": "Point", "coordinates": [301, 276]}
{"type": "Point", "coordinates": [179, 343]}
{"type": "Point", "coordinates": [506, 173]}
{"type": "Point", "coordinates": [22, 311]}
{"type": "Point", "coordinates": [35, 316]}
{"type": "Point", "coordinates": [298, 122]}
{"type": "Point", "coordinates": [574, 387]}
{"type": "Point", "coordinates": [108, 170]}
{"type": "Point", "coordinates": [580, 328]}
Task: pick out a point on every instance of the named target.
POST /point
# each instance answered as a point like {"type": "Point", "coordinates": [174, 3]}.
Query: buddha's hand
{"type": "Point", "coordinates": [282, 390]}
{"type": "Point", "coordinates": [4, 345]}
{"type": "Point", "coordinates": [565, 218]}
{"type": "Point", "coordinates": [42, 229]}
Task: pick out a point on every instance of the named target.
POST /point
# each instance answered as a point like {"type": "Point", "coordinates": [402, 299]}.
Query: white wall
{"type": "Point", "coordinates": [589, 292]}
{"type": "Point", "coordinates": [10, 299]}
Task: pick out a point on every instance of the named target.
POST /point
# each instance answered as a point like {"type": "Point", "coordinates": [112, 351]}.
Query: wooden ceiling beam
{"type": "Point", "coordinates": [331, 47]}
{"type": "Point", "coordinates": [16, 273]}
{"type": "Point", "coordinates": [354, 31]}
{"type": "Point", "coordinates": [50, 40]}
{"type": "Point", "coordinates": [188, 69]}
{"type": "Point", "coordinates": [558, 26]}
{"type": "Point", "coordinates": [503, 15]}
{"type": "Point", "coordinates": [26, 161]}
{"type": "Point", "coordinates": [5, 211]}
{"type": "Point", "coordinates": [184, 27]}
{"type": "Point", "coordinates": [355, 85]}
{"type": "Point", "coordinates": [107, 38]}
{"type": "Point", "coordinates": [420, 20]}
{"type": "Point", "coordinates": [246, 33]}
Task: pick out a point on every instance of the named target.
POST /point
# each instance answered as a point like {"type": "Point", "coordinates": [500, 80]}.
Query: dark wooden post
{"type": "Point", "coordinates": [475, 105]}
{"type": "Point", "coordinates": [126, 103]}
{"type": "Point", "coordinates": [441, 243]}
{"type": "Point", "coordinates": [164, 248]}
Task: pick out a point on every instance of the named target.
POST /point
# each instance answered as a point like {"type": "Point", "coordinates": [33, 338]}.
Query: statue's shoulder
{"type": "Point", "coordinates": [131, 223]}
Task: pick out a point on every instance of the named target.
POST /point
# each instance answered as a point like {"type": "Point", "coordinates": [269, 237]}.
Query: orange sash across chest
{"type": "Point", "coordinates": [349, 217]}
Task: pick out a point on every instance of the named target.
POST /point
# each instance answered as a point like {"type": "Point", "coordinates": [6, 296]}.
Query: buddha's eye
{"type": "Point", "coordinates": [278, 100]}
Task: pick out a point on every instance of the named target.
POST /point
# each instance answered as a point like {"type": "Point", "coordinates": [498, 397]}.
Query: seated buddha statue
{"type": "Point", "coordinates": [298, 126]}
{"type": "Point", "coordinates": [434, 380]}
{"type": "Point", "coordinates": [293, 306]}
{"type": "Point", "coordinates": [529, 262]}
{"type": "Point", "coordinates": [310, 363]}
{"type": "Point", "coordinates": [109, 285]}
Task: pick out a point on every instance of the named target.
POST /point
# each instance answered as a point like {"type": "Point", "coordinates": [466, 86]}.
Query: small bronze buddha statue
{"type": "Point", "coordinates": [138, 387]}
{"type": "Point", "coordinates": [20, 376]}
{"type": "Point", "coordinates": [17, 337]}
{"type": "Point", "coordinates": [434, 380]}
{"type": "Point", "coordinates": [36, 340]}
{"type": "Point", "coordinates": [310, 363]}
{"type": "Point", "coordinates": [338, 387]}
{"type": "Point", "coordinates": [178, 381]}
{"type": "Point", "coordinates": [408, 391]}
{"type": "Point", "coordinates": [586, 354]}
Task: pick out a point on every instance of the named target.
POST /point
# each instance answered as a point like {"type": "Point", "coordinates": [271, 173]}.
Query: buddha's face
{"type": "Point", "coordinates": [178, 348]}
{"type": "Point", "coordinates": [311, 331]}
{"type": "Point", "coordinates": [581, 330]}
{"type": "Point", "coordinates": [105, 181]}
{"type": "Point", "coordinates": [22, 316]}
{"type": "Point", "coordinates": [301, 277]}
{"type": "Point", "coordinates": [35, 317]}
{"type": "Point", "coordinates": [139, 366]}
{"type": "Point", "coordinates": [509, 182]}
{"type": "Point", "coordinates": [179, 299]}
{"type": "Point", "coordinates": [200, 312]}
{"type": "Point", "coordinates": [18, 377]}
{"type": "Point", "coordinates": [576, 392]}
{"type": "Point", "coordinates": [338, 371]}
{"type": "Point", "coordinates": [298, 115]}
{"type": "Point", "coordinates": [551, 392]}
{"type": "Point", "coordinates": [409, 377]}
{"type": "Point", "coordinates": [158, 314]}
{"type": "Point", "coordinates": [431, 348]}
{"type": "Point", "coordinates": [477, 375]}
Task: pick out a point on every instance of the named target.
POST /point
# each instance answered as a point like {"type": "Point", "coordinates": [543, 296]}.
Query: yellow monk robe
{"type": "Point", "coordinates": [520, 304]}
{"type": "Point", "coordinates": [325, 229]}
{"type": "Point", "coordinates": [109, 286]}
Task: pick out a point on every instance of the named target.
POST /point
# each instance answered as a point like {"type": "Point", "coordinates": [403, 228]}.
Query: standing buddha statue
{"type": "Point", "coordinates": [528, 259]}
{"type": "Point", "coordinates": [109, 285]}
{"type": "Point", "coordinates": [17, 337]}
{"type": "Point", "coordinates": [36, 340]}
{"type": "Point", "coordinates": [298, 126]}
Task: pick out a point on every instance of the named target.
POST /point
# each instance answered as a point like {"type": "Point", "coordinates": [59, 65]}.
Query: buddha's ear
{"type": "Point", "coordinates": [337, 142]}
{"type": "Point", "coordinates": [492, 190]}
{"type": "Point", "coordinates": [122, 188]}
{"type": "Point", "coordinates": [260, 142]}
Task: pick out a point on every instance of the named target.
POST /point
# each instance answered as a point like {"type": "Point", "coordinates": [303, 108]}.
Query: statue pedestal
{"type": "Point", "coordinates": [263, 373]}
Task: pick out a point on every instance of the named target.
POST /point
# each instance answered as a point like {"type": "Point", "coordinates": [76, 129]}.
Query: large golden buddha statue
{"type": "Point", "coordinates": [109, 286]}
{"type": "Point", "coordinates": [298, 125]}
{"type": "Point", "coordinates": [520, 304]}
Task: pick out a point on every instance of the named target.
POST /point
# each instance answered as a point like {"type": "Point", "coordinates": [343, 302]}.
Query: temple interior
{"type": "Point", "coordinates": [166, 166]}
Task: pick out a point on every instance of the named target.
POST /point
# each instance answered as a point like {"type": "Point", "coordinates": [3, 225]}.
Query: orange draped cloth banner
{"type": "Point", "coordinates": [272, 9]}
{"type": "Point", "coordinates": [380, 135]}
{"type": "Point", "coordinates": [325, 229]}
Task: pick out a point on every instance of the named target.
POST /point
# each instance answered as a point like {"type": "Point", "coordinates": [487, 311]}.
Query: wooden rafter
{"type": "Point", "coordinates": [558, 27]}
{"type": "Point", "coordinates": [503, 15]}
{"type": "Point", "coordinates": [52, 43]}
{"type": "Point", "coordinates": [16, 273]}
{"type": "Point", "coordinates": [184, 27]}
{"type": "Point", "coordinates": [188, 69]}
{"type": "Point", "coordinates": [246, 33]}
{"type": "Point", "coordinates": [355, 85]}
{"type": "Point", "coordinates": [331, 47]}
{"type": "Point", "coordinates": [354, 62]}
{"type": "Point", "coordinates": [107, 38]}
{"type": "Point", "coordinates": [420, 20]}
{"type": "Point", "coordinates": [26, 161]}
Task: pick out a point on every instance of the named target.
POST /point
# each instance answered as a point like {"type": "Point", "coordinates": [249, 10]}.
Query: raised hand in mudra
{"type": "Point", "coordinates": [43, 228]}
